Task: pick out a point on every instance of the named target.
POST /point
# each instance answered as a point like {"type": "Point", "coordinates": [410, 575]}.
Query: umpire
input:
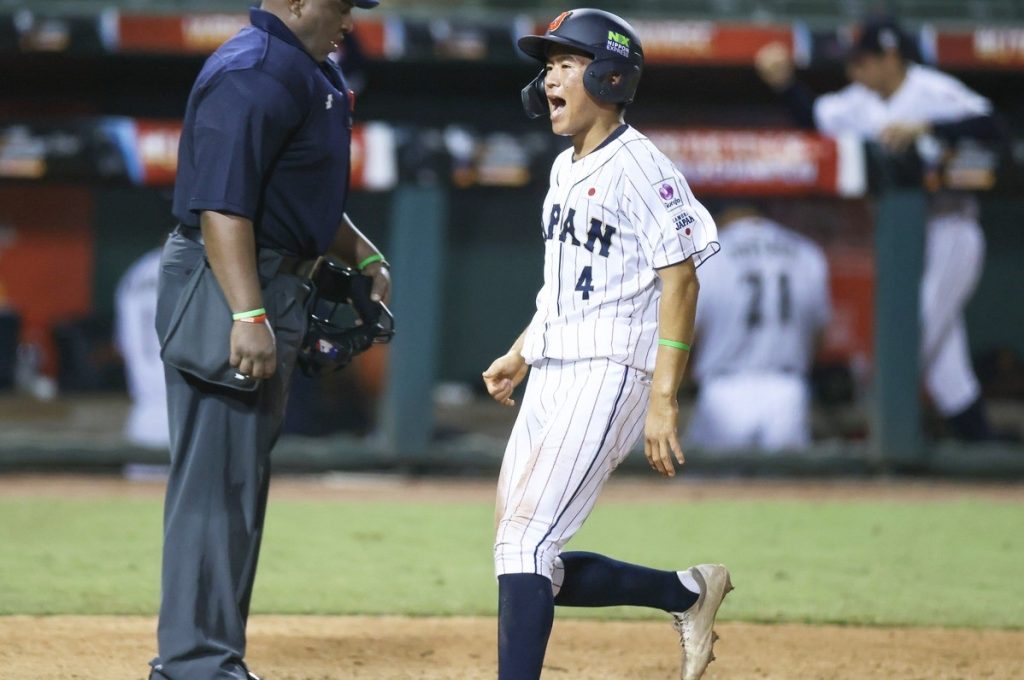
{"type": "Point", "coordinates": [263, 172]}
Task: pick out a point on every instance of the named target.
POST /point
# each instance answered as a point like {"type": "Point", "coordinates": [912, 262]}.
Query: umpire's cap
{"type": "Point", "coordinates": [366, 4]}
{"type": "Point", "coordinates": [611, 42]}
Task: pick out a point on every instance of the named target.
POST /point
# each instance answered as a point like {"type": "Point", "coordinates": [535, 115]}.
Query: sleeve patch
{"type": "Point", "coordinates": [684, 221]}
{"type": "Point", "coordinates": [671, 194]}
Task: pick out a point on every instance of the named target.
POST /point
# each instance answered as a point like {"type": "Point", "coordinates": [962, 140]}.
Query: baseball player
{"type": "Point", "coordinates": [623, 236]}
{"type": "Point", "coordinates": [139, 345]}
{"type": "Point", "coordinates": [764, 305]}
{"type": "Point", "coordinates": [897, 102]}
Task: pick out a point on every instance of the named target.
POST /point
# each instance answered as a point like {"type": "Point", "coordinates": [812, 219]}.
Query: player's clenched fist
{"type": "Point", "coordinates": [775, 65]}
{"type": "Point", "coordinates": [503, 376]}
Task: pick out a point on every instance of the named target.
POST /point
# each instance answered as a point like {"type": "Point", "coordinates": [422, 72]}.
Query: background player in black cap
{"type": "Point", "coordinates": [897, 102]}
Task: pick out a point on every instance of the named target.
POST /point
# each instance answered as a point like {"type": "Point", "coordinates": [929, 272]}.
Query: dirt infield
{"type": "Point", "coordinates": [393, 648]}
{"type": "Point", "coordinates": [334, 648]}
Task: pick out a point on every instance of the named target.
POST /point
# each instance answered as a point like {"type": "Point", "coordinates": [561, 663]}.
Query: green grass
{"type": "Point", "coordinates": [947, 564]}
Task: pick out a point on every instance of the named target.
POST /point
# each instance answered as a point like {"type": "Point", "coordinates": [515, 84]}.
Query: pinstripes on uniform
{"type": "Point", "coordinates": [610, 220]}
{"type": "Point", "coordinates": [578, 420]}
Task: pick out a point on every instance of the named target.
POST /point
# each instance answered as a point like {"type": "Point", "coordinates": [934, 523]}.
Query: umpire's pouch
{"type": "Point", "coordinates": [193, 319]}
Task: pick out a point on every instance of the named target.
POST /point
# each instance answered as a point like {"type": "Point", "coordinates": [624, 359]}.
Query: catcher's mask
{"type": "Point", "coordinates": [339, 296]}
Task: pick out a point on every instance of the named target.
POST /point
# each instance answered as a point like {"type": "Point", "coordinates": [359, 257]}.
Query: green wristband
{"type": "Point", "coordinates": [675, 345]}
{"type": "Point", "coordinates": [248, 315]}
{"type": "Point", "coordinates": [376, 257]}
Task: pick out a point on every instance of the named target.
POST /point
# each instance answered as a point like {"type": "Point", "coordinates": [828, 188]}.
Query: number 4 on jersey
{"type": "Point", "coordinates": [586, 282]}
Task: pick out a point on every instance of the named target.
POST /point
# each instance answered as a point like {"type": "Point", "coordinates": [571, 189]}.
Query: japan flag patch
{"type": "Point", "coordinates": [685, 222]}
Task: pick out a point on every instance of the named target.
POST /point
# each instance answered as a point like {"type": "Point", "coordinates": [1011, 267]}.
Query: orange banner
{"type": "Point", "coordinates": [982, 48]}
{"type": "Point", "coordinates": [46, 259]}
{"type": "Point", "coordinates": [204, 33]}
{"type": "Point", "coordinates": [738, 163]}
{"type": "Point", "coordinates": [156, 144]}
{"type": "Point", "coordinates": [701, 42]}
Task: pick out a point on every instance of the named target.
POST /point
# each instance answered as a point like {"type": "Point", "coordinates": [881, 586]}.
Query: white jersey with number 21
{"type": "Point", "coordinates": [610, 220]}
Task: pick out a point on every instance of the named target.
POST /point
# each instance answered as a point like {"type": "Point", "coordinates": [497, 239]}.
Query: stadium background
{"type": "Point", "coordinates": [450, 176]}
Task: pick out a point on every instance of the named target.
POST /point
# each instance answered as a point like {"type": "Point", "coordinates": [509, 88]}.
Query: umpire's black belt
{"type": "Point", "coordinates": [289, 264]}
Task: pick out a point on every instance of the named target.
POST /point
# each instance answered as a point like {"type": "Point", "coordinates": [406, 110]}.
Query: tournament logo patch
{"type": "Point", "coordinates": [557, 21]}
{"type": "Point", "coordinates": [669, 194]}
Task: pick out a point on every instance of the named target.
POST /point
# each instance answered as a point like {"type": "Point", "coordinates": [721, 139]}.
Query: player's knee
{"type": "Point", "coordinates": [511, 557]}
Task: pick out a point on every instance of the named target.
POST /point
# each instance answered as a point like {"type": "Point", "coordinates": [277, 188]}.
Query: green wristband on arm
{"type": "Point", "coordinates": [238, 316]}
{"type": "Point", "coordinates": [376, 257]}
{"type": "Point", "coordinates": [673, 344]}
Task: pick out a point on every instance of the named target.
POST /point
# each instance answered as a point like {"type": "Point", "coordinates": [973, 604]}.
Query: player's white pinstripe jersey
{"type": "Point", "coordinates": [926, 96]}
{"type": "Point", "coordinates": [610, 219]}
{"type": "Point", "coordinates": [762, 302]}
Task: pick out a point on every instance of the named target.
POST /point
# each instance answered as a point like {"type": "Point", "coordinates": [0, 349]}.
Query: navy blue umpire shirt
{"type": "Point", "coordinates": [267, 136]}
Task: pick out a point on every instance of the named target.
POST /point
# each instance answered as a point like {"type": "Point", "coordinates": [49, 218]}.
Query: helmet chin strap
{"type": "Point", "coordinates": [535, 100]}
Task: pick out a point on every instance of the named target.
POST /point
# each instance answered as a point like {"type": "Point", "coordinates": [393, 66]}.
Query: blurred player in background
{"type": "Point", "coordinates": [897, 102]}
{"type": "Point", "coordinates": [764, 303]}
{"type": "Point", "coordinates": [623, 237]}
{"type": "Point", "coordinates": [135, 303]}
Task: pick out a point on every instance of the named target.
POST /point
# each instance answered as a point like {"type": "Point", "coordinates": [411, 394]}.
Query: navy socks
{"type": "Point", "coordinates": [526, 607]}
{"type": "Point", "coordinates": [593, 580]}
{"type": "Point", "coordinates": [525, 613]}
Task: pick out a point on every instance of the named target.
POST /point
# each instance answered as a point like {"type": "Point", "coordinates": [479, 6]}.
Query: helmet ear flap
{"type": "Point", "coordinates": [598, 81]}
{"type": "Point", "coordinates": [535, 99]}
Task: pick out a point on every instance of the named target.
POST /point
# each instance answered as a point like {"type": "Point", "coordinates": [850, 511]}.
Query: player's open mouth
{"type": "Point", "coordinates": [556, 104]}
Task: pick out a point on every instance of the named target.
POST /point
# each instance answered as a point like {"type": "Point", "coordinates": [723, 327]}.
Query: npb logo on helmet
{"type": "Point", "coordinates": [617, 43]}
{"type": "Point", "coordinates": [557, 21]}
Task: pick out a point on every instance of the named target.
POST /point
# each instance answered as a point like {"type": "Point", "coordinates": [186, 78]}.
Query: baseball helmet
{"type": "Point", "coordinates": [612, 44]}
{"type": "Point", "coordinates": [338, 296]}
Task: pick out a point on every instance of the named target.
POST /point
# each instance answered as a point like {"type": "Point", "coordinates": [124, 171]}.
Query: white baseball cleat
{"type": "Point", "coordinates": [696, 624]}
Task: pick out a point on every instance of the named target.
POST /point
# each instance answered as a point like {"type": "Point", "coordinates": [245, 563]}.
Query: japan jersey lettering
{"type": "Point", "coordinates": [610, 220]}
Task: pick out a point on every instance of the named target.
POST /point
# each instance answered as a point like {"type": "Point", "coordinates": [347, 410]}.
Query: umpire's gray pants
{"type": "Point", "coordinates": [217, 490]}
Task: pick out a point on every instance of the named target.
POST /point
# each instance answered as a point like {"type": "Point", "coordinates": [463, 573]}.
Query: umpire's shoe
{"type": "Point", "coordinates": [696, 625]}
{"type": "Point", "coordinates": [153, 675]}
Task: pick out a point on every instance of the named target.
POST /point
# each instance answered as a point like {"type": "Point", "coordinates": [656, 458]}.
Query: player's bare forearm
{"type": "Point", "coordinates": [676, 314]}
{"type": "Point", "coordinates": [677, 311]}
{"type": "Point", "coordinates": [353, 248]}
{"type": "Point", "coordinates": [231, 249]}
{"type": "Point", "coordinates": [516, 350]}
